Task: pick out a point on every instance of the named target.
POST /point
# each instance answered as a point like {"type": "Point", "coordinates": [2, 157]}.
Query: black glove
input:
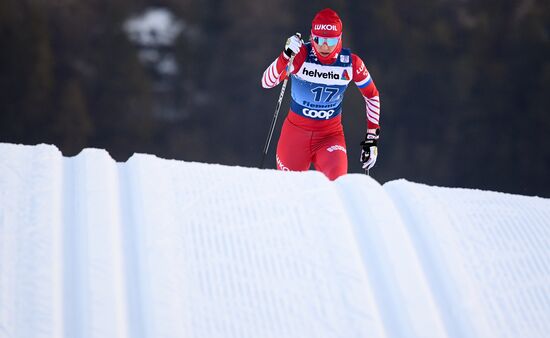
{"type": "Point", "coordinates": [369, 149]}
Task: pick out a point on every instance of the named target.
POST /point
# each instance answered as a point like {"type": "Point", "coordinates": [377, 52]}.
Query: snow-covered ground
{"type": "Point", "coordinates": [158, 248]}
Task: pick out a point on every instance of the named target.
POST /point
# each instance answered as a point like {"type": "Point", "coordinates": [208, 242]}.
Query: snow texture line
{"type": "Point", "coordinates": [456, 326]}
{"type": "Point", "coordinates": [75, 303]}
{"type": "Point", "coordinates": [132, 252]}
{"type": "Point", "coordinates": [372, 252]}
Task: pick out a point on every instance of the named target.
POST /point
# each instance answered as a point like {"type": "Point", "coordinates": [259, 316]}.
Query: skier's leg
{"type": "Point", "coordinates": [331, 156]}
{"type": "Point", "coordinates": [293, 148]}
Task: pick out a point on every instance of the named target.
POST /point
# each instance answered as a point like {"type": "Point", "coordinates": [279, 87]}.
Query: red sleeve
{"type": "Point", "coordinates": [364, 82]}
{"type": "Point", "coordinates": [276, 72]}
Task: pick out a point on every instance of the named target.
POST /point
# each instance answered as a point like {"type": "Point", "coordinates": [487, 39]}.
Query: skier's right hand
{"type": "Point", "coordinates": [293, 45]}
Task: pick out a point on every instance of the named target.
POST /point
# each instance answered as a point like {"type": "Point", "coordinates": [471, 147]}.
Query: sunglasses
{"type": "Point", "coordinates": [329, 41]}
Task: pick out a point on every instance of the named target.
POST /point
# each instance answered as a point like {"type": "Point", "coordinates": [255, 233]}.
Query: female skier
{"type": "Point", "coordinates": [321, 71]}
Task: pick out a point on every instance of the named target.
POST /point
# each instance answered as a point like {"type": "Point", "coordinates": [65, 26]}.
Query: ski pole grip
{"type": "Point", "coordinates": [288, 51]}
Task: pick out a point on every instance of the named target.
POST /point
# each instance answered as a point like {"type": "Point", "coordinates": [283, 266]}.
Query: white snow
{"type": "Point", "coordinates": [153, 30]}
{"type": "Point", "coordinates": [156, 26]}
{"type": "Point", "coordinates": [160, 248]}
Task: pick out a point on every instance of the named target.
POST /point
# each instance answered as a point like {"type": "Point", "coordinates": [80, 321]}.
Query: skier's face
{"type": "Point", "coordinates": [323, 46]}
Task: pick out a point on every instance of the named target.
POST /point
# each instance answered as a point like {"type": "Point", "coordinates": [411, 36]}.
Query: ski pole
{"type": "Point", "coordinates": [274, 121]}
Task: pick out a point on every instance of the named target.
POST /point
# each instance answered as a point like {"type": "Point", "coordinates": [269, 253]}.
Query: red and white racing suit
{"type": "Point", "coordinates": [312, 131]}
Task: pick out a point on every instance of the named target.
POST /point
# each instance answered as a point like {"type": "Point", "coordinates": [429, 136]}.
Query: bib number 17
{"type": "Point", "coordinates": [328, 92]}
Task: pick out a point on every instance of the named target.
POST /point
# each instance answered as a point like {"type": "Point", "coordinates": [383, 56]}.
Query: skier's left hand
{"type": "Point", "coordinates": [369, 149]}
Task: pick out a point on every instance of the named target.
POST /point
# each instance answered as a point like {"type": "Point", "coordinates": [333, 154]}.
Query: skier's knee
{"type": "Point", "coordinates": [334, 173]}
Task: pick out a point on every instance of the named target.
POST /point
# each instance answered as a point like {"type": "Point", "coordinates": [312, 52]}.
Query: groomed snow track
{"type": "Point", "coordinates": [159, 248]}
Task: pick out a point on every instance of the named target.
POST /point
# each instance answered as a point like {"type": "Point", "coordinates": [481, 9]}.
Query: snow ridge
{"type": "Point", "coordinates": [159, 248]}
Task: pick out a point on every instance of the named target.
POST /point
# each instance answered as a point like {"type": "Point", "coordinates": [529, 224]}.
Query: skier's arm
{"type": "Point", "coordinates": [366, 86]}
{"type": "Point", "coordinates": [276, 72]}
{"type": "Point", "coordinates": [363, 80]}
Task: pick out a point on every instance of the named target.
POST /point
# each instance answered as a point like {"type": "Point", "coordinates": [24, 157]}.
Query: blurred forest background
{"type": "Point", "coordinates": [465, 85]}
